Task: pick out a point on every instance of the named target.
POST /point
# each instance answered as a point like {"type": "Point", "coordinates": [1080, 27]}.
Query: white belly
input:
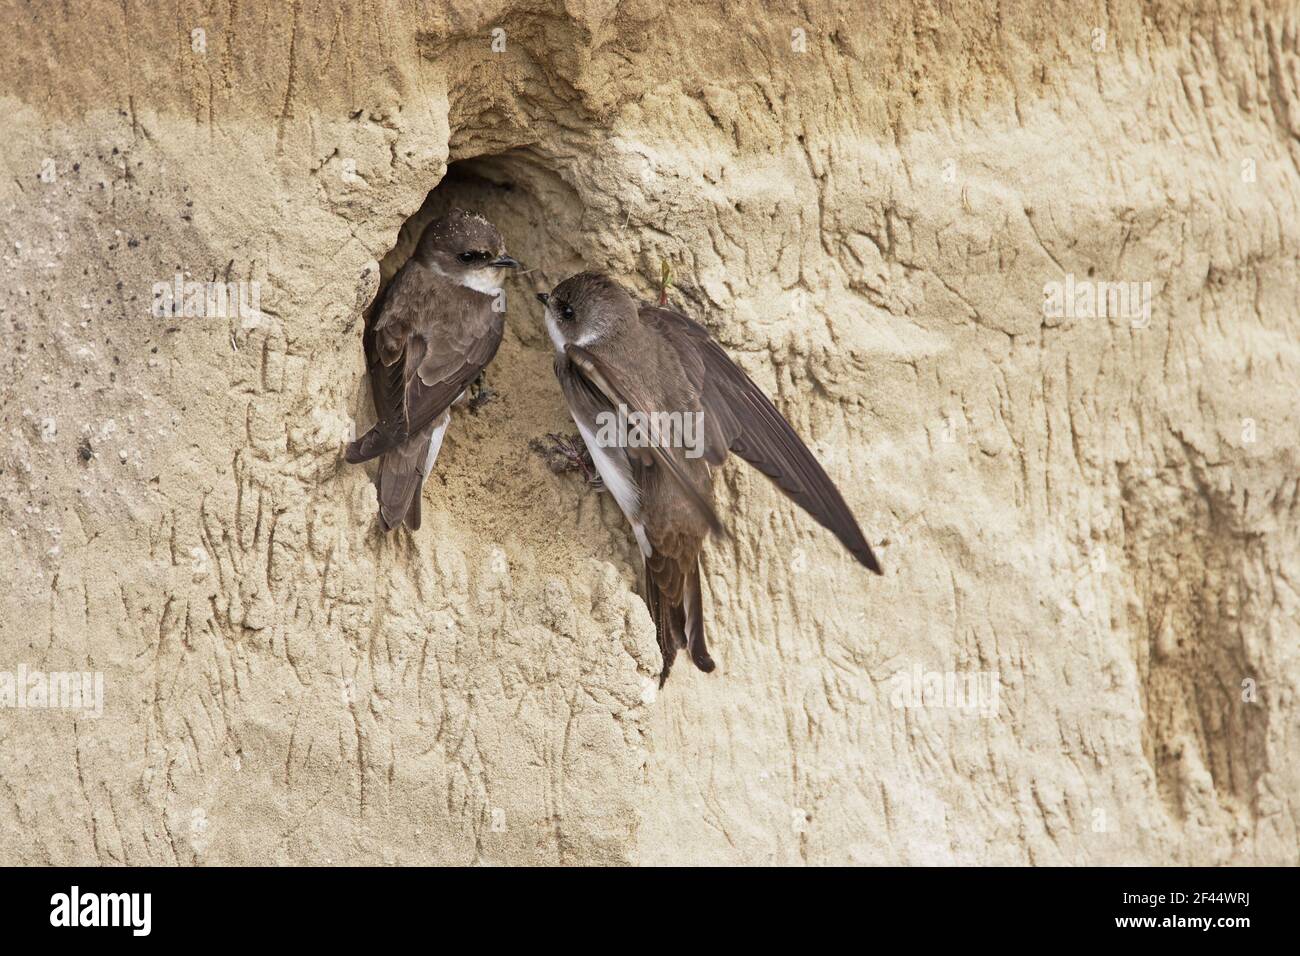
{"type": "Point", "coordinates": [616, 472]}
{"type": "Point", "coordinates": [435, 444]}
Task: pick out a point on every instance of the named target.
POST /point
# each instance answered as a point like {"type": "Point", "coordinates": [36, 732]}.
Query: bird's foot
{"type": "Point", "coordinates": [480, 394]}
{"type": "Point", "coordinates": [568, 453]}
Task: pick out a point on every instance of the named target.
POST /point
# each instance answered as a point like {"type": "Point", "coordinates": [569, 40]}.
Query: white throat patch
{"type": "Point", "coordinates": [477, 281]}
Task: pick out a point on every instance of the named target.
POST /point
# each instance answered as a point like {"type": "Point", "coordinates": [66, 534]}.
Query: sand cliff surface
{"type": "Point", "coordinates": [1025, 276]}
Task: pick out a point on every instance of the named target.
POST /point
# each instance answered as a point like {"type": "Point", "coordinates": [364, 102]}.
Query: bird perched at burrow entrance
{"type": "Point", "coordinates": [617, 358]}
{"type": "Point", "coordinates": [438, 325]}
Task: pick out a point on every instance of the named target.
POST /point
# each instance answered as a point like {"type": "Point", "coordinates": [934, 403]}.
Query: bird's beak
{"type": "Point", "coordinates": [543, 297]}
{"type": "Point", "coordinates": [504, 262]}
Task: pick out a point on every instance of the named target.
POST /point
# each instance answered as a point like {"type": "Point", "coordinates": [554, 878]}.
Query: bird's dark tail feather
{"type": "Point", "coordinates": [399, 495]}
{"type": "Point", "coordinates": [693, 608]}
{"type": "Point", "coordinates": [401, 481]}
{"type": "Point", "coordinates": [679, 626]}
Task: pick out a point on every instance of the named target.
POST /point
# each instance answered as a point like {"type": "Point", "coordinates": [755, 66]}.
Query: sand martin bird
{"type": "Point", "coordinates": [617, 358]}
{"type": "Point", "coordinates": [438, 325]}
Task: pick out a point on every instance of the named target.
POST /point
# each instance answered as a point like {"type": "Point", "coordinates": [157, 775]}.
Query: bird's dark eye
{"type": "Point", "coordinates": [566, 313]}
{"type": "Point", "coordinates": [474, 256]}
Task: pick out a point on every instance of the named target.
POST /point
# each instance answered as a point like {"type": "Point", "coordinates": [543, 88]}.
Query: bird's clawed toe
{"type": "Point", "coordinates": [568, 453]}
{"type": "Point", "coordinates": [480, 394]}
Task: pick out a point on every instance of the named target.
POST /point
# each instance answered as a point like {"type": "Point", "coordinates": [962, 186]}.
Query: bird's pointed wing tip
{"type": "Point", "coordinates": [362, 450]}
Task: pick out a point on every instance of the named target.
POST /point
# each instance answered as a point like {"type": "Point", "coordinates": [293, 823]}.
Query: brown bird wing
{"type": "Point", "coordinates": [740, 418]}
{"type": "Point", "coordinates": [672, 574]}
{"type": "Point", "coordinates": [426, 348]}
{"type": "Point", "coordinates": [613, 386]}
